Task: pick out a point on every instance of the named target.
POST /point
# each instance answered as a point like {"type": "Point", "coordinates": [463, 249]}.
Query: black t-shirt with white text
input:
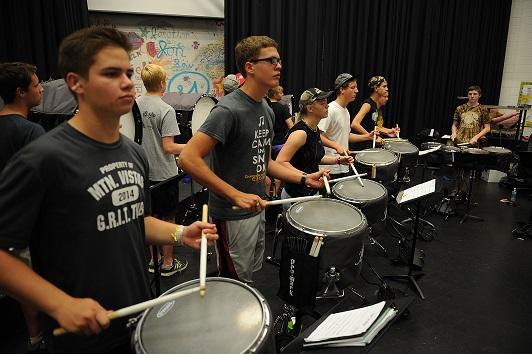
{"type": "Point", "coordinates": [80, 205]}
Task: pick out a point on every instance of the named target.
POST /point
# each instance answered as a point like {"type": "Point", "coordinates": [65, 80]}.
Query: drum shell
{"type": "Point", "coordinates": [343, 250]}
{"type": "Point", "coordinates": [374, 208]}
{"type": "Point", "coordinates": [199, 318]}
{"type": "Point", "coordinates": [386, 170]}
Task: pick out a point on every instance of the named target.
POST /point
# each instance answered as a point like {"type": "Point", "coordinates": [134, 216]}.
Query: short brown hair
{"type": "Point", "coordinates": [152, 75]}
{"type": "Point", "coordinates": [474, 88]}
{"type": "Point", "coordinates": [12, 76]}
{"type": "Point", "coordinates": [77, 51]}
{"type": "Point", "coordinates": [249, 48]}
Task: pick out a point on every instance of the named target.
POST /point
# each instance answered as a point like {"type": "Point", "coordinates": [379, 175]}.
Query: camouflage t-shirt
{"type": "Point", "coordinates": [470, 121]}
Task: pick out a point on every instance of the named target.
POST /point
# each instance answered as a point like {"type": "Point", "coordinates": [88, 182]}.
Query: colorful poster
{"type": "Point", "coordinates": [525, 93]}
{"type": "Point", "coordinates": [190, 50]}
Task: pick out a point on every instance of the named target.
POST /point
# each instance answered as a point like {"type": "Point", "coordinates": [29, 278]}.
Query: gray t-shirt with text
{"type": "Point", "coordinates": [158, 121]}
{"type": "Point", "coordinates": [244, 131]}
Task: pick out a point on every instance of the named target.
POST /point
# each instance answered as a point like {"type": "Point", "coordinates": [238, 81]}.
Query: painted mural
{"type": "Point", "coordinates": [191, 50]}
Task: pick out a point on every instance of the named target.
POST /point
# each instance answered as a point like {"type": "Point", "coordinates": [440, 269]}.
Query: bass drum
{"type": "Point", "coordinates": [131, 124]}
{"type": "Point", "coordinates": [231, 318]}
{"type": "Point", "coordinates": [202, 108]}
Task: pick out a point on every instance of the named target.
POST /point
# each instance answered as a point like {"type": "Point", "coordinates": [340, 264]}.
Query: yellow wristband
{"type": "Point", "coordinates": [177, 235]}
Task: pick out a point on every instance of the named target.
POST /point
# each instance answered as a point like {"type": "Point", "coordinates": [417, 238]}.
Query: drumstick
{"type": "Point", "coordinates": [363, 151]}
{"type": "Point", "coordinates": [397, 127]}
{"type": "Point", "coordinates": [346, 178]}
{"type": "Point", "coordinates": [285, 201]}
{"type": "Point", "coordinates": [126, 311]}
{"type": "Point", "coordinates": [327, 187]}
{"type": "Point", "coordinates": [374, 136]}
{"type": "Point", "coordinates": [203, 253]}
{"type": "Point", "coordinates": [354, 170]}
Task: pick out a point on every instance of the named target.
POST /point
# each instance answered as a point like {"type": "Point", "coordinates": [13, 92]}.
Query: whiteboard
{"type": "Point", "coordinates": [186, 8]}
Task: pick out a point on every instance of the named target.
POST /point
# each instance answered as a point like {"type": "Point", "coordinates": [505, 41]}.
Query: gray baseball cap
{"type": "Point", "coordinates": [230, 83]}
{"type": "Point", "coordinates": [342, 79]}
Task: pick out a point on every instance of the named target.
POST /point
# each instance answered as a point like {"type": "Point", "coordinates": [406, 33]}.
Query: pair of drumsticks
{"type": "Point", "coordinates": [127, 311]}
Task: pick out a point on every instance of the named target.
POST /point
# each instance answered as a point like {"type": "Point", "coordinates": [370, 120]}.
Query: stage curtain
{"type": "Point", "coordinates": [429, 51]}
{"type": "Point", "coordinates": [31, 30]}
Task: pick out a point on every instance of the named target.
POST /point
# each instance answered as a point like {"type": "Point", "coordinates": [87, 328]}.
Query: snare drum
{"type": "Point", "coordinates": [372, 199]}
{"type": "Point", "coordinates": [202, 108]}
{"type": "Point", "coordinates": [344, 228]}
{"type": "Point", "coordinates": [379, 164]}
{"type": "Point", "coordinates": [231, 318]}
{"type": "Point", "coordinates": [131, 124]}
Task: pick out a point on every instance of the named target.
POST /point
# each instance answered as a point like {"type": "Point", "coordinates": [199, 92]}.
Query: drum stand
{"type": "Point", "coordinates": [192, 209]}
{"type": "Point", "coordinates": [467, 215]}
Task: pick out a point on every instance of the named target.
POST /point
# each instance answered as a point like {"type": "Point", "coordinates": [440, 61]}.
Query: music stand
{"type": "Point", "coordinates": [473, 162]}
{"type": "Point", "coordinates": [415, 193]}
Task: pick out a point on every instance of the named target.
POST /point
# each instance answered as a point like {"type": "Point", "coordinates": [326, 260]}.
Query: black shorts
{"type": "Point", "coordinates": [164, 200]}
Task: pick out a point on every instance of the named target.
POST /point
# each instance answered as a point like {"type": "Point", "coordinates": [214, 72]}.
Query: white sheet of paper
{"type": "Point", "coordinates": [446, 137]}
{"type": "Point", "coordinates": [416, 191]}
{"type": "Point", "coordinates": [428, 151]}
{"type": "Point", "coordinates": [347, 323]}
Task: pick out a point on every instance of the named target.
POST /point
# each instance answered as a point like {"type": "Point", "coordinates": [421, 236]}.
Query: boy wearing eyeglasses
{"type": "Point", "coordinates": [238, 133]}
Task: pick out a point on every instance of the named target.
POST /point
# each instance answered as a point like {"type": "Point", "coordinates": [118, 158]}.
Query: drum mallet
{"type": "Point", "coordinates": [327, 187]}
{"type": "Point", "coordinates": [354, 169]}
{"type": "Point", "coordinates": [203, 253]}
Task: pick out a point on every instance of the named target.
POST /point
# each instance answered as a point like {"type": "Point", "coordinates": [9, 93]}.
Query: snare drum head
{"type": "Point", "coordinates": [376, 157]}
{"type": "Point", "coordinates": [352, 191]}
{"type": "Point", "coordinates": [202, 108]}
{"type": "Point", "coordinates": [231, 318]}
{"type": "Point", "coordinates": [402, 147]}
{"type": "Point", "coordinates": [325, 216]}
{"type": "Point", "coordinates": [497, 150]}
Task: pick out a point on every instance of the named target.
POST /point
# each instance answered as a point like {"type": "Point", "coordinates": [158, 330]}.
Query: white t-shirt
{"type": "Point", "coordinates": [336, 127]}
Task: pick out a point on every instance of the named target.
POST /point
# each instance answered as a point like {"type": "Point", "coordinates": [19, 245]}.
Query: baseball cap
{"type": "Point", "coordinates": [342, 79]}
{"type": "Point", "coordinates": [313, 94]}
{"type": "Point", "coordinates": [230, 83]}
{"type": "Point", "coordinates": [375, 81]}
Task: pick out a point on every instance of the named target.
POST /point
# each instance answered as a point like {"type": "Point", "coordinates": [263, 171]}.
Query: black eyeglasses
{"type": "Point", "coordinates": [271, 60]}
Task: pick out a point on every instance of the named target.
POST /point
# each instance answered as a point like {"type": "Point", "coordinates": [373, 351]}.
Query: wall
{"type": "Point", "coordinates": [191, 50]}
{"type": "Point", "coordinates": [186, 8]}
{"type": "Point", "coordinates": [518, 61]}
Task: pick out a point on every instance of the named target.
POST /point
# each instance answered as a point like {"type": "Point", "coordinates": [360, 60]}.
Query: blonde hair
{"type": "Point", "coordinates": [152, 76]}
{"type": "Point", "coordinates": [274, 91]}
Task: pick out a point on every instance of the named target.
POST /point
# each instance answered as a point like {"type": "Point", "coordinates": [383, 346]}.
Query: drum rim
{"type": "Point", "coordinates": [293, 223]}
{"type": "Point", "coordinates": [360, 200]}
{"type": "Point", "coordinates": [504, 150]}
{"type": "Point", "coordinates": [387, 163]}
{"type": "Point", "coordinates": [257, 341]}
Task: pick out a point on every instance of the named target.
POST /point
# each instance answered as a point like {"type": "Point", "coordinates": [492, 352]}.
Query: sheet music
{"type": "Point", "coordinates": [446, 137]}
{"type": "Point", "coordinates": [417, 191]}
{"type": "Point", "coordinates": [347, 323]}
{"type": "Point", "coordinates": [428, 151]}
